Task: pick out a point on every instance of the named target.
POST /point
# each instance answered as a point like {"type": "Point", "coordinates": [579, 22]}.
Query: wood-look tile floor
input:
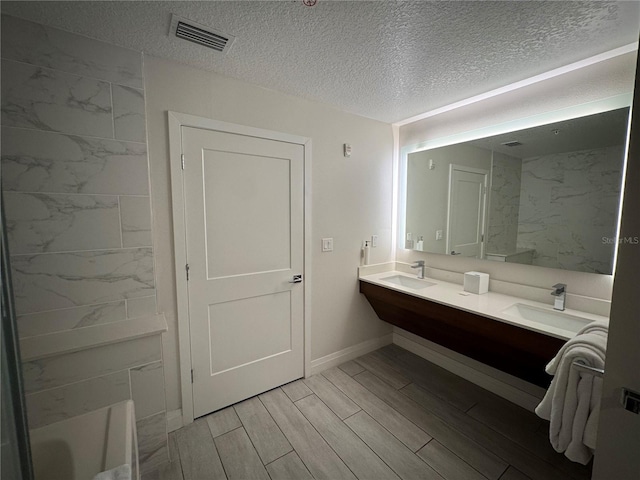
{"type": "Point", "coordinates": [386, 415]}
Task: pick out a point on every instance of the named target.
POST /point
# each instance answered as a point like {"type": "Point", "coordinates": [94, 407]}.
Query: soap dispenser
{"type": "Point", "coordinates": [366, 253]}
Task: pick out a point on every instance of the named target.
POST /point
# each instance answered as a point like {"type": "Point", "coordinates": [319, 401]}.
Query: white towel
{"type": "Point", "coordinates": [595, 327]}
{"type": "Point", "coordinates": [572, 403]}
{"type": "Point", "coordinates": [123, 472]}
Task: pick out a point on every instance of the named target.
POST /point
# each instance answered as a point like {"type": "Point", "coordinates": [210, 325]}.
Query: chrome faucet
{"type": "Point", "coordinates": [419, 264]}
{"type": "Point", "coordinates": [560, 292]}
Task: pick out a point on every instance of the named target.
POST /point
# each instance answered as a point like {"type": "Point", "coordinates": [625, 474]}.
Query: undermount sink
{"type": "Point", "coordinates": [408, 282]}
{"type": "Point", "coordinates": [550, 317]}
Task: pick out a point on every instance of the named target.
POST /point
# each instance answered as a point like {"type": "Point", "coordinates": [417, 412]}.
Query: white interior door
{"type": "Point", "coordinates": [244, 205]}
{"type": "Point", "coordinates": [467, 199]}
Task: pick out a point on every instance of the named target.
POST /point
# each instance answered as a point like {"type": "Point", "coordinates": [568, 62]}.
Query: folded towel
{"type": "Point", "coordinates": [572, 403]}
{"type": "Point", "coordinates": [596, 326]}
{"type": "Point", "coordinates": [123, 472]}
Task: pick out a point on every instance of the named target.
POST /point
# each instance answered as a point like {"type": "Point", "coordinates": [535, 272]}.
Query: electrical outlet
{"type": "Point", "coordinates": [327, 244]}
{"type": "Point", "coordinates": [374, 241]}
{"type": "Point", "coordinates": [438, 234]}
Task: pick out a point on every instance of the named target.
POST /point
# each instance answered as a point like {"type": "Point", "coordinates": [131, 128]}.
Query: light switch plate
{"type": "Point", "coordinates": [347, 150]}
{"type": "Point", "coordinates": [374, 241]}
{"type": "Point", "coordinates": [327, 244]}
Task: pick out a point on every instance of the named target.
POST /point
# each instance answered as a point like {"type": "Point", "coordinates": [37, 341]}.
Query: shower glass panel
{"type": "Point", "coordinates": [15, 453]}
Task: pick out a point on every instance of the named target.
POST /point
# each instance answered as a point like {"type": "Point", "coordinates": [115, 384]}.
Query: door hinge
{"type": "Point", "coordinates": [187, 269]}
{"type": "Point", "coordinates": [192, 375]}
{"type": "Point", "coordinates": [182, 160]}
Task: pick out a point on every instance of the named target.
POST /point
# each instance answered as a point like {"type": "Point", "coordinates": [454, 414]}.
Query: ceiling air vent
{"type": "Point", "coordinates": [201, 34]}
{"type": "Point", "coordinates": [513, 143]}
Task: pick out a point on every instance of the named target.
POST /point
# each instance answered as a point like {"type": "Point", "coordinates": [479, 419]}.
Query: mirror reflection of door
{"type": "Point", "coordinates": [466, 211]}
{"type": "Point", "coordinates": [553, 191]}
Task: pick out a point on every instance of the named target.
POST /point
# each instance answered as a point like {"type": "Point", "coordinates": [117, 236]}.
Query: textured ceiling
{"type": "Point", "coordinates": [383, 59]}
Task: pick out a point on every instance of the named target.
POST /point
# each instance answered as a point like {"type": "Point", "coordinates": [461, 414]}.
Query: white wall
{"type": "Point", "coordinates": [605, 79]}
{"type": "Point", "coordinates": [352, 197]}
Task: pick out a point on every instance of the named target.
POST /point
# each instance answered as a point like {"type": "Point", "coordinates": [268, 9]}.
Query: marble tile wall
{"type": "Point", "coordinates": [40, 161]}
{"type": "Point", "coordinates": [62, 280]}
{"type": "Point", "coordinates": [75, 179]}
{"type": "Point", "coordinates": [76, 190]}
{"type": "Point", "coordinates": [570, 210]}
{"type": "Point", "coordinates": [504, 204]}
{"type": "Point", "coordinates": [152, 443]}
{"type": "Point", "coordinates": [67, 385]}
{"type": "Point", "coordinates": [36, 44]}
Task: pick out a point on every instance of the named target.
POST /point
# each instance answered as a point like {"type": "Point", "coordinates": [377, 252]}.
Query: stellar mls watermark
{"type": "Point", "coordinates": [621, 240]}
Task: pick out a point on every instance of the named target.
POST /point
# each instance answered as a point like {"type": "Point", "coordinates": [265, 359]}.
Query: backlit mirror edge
{"type": "Point", "coordinates": [576, 111]}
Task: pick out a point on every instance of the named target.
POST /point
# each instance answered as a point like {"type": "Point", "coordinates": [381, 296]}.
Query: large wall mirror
{"type": "Point", "coordinates": [547, 195]}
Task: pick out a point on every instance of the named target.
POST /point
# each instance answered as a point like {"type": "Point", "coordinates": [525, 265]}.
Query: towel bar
{"type": "Point", "coordinates": [598, 372]}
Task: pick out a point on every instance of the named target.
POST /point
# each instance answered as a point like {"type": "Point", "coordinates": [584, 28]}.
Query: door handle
{"type": "Point", "coordinates": [296, 279]}
{"type": "Point", "coordinates": [453, 252]}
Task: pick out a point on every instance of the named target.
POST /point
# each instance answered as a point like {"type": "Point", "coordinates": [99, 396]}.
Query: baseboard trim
{"type": "Point", "coordinates": [349, 353]}
{"type": "Point", "coordinates": [174, 420]}
{"type": "Point", "coordinates": [509, 392]}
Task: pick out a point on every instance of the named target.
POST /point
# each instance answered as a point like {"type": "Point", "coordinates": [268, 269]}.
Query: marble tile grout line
{"type": "Point", "coordinates": [76, 306]}
{"type": "Point", "coordinates": [92, 378]}
{"type": "Point", "coordinates": [121, 223]}
{"type": "Point", "coordinates": [113, 113]}
{"type": "Point", "coordinates": [78, 194]}
{"type": "Point", "coordinates": [67, 252]}
{"type": "Point", "coordinates": [91, 77]}
{"type": "Point", "coordinates": [69, 134]}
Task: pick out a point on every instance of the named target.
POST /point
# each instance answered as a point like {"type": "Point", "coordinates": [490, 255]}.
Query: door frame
{"type": "Point", "coordinates": [479, 171]}
{"type": "Point", "coordinates": [176, 122]}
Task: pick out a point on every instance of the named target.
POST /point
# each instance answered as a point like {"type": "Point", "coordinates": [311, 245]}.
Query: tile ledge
{"type": "Point", "coordinates": [69, 341]}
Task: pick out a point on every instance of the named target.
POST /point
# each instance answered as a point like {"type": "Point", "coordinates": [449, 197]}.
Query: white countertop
{"type": "Point", "coordinates": [489, 305]}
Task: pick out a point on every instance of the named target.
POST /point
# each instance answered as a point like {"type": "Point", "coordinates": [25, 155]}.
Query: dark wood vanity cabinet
{"type": "Point", "coordinates": [514, 350]}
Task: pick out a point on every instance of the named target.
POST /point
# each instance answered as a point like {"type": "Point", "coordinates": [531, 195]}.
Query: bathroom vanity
{"type": "Point", "coordinates": [511, 334]}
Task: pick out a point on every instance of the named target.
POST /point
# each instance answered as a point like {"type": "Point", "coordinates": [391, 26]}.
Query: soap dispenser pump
{"type": "Point", "coordinates": [366, 253]}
